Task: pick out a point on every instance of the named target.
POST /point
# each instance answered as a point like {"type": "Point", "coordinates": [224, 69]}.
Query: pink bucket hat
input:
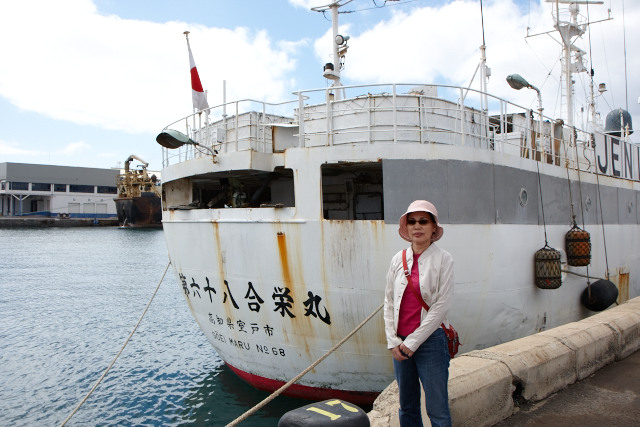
{"type": "Point", "coordinates": [420, 206]}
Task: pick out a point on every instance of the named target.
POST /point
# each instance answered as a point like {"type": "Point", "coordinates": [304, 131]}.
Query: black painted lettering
{"type": "Point", "coordinates": [637, 150]}
{"type": "Point", "coordinates": [628, 160]}
{"type": "Point", "coordinates": [614, 156]}
{"type": "Point", "coordinates": [603, 168]}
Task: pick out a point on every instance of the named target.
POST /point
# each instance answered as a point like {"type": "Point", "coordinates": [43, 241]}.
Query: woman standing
{"type": "Point", "coordinates": [417, 342]}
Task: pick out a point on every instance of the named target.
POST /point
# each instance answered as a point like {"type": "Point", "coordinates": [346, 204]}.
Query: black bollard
{"type": "Point", "coordinates": [329, 413]}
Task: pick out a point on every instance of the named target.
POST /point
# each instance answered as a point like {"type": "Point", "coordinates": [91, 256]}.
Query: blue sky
{"type": "Point", "coordinates": [90, 82]}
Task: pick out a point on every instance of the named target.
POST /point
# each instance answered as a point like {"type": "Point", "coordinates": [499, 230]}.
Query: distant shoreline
{"type": "Point", "coordinates": [40, 222]}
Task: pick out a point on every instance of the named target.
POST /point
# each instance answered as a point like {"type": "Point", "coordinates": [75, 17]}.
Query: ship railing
{"type": "Point", "coordinates": [392, 113]}
{"type": "Point", "coordinates": [385, 113]}
{"type": "Point", "coordinates": [224, 132]}
{"type": "Point", "coordinates": [442, 114]}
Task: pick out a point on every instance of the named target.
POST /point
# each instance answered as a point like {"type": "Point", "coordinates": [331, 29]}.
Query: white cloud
{"type": "Point", "coordinates": [70, 63]}
{"type": "Point", "coordinates": [308, 4]}
{"type": "Point", "coordinates": [75, 148]}
{"type": "Point", "coordinates": [441, 44]}
{"type": "Point", "coordinates": [67, 62]}
{"type": "Point", "coordinates": [13, 149]}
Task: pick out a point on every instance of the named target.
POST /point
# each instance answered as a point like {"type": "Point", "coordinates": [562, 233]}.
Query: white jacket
{"type": "Point", "coordinates": [436, 286]}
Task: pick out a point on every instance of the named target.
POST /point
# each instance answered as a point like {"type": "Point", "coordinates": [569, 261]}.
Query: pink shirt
{"type": "Point", "coordinates": [410, 307]}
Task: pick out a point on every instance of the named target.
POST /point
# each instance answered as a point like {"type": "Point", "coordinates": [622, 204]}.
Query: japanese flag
{"type": "Point", "coordinates": [197, 93]}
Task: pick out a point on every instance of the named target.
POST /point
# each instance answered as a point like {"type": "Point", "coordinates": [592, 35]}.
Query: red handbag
{"type": "Point", "coordinates": [453, 340]}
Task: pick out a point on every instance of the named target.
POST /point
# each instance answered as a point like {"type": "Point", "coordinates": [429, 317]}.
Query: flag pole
{"type": "Point", "coordinates": [186, 35]}
{"type": "Point", "coordinates": [193, 117]}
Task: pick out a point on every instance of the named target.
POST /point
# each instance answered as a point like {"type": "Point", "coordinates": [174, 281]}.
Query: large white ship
{"type": "Point", "coordinates": [280, 226]}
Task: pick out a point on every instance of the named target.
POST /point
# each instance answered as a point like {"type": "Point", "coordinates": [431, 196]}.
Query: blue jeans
{"type": "Point", "coordinates": [429, 365]}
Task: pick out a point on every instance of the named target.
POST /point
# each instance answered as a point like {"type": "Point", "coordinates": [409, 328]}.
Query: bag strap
{"type": "Point", "coordinates": [410, 283]}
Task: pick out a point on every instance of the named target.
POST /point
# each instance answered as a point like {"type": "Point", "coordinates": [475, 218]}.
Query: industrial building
{"type": "Point", "coordinates": [57, 191]}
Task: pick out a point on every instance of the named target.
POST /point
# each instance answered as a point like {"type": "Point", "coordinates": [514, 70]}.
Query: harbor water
{"type": "Point", "coordinates": [69, 298]}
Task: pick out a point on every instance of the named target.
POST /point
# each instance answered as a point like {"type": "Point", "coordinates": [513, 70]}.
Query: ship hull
{"type": "Point", "coordinates": [144, 211]}
{"type": "Point", "coordinates": [273, 289]}
{"type": "Point", "coordinates": [306, 392]}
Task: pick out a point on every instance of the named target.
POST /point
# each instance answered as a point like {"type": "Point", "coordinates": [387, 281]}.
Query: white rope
{"type": "Point", "coordinates": [301, 374]}
{"type": "Point", "coordinates": [120, 352]}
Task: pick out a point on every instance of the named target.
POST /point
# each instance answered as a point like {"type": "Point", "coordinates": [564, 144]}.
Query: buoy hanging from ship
{"type": "Point", "coordinates": [578, 246]}
{"type": "Point", "coordinates": [547, 268]}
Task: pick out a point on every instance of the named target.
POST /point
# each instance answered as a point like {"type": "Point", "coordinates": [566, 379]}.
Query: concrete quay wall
{"type": "Point", "coordinates": [43, 222]}
{"type": "Point", "coordinates": [484, 385]}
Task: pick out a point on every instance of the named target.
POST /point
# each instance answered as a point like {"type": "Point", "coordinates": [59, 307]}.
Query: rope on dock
{"type": "Point", "coordinates": [301, 374]}
{"type": "Point", "coordinates": [120, 352]}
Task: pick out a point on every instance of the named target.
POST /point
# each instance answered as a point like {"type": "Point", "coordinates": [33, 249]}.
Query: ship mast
{"type": "Point", "coordinates": [569, 30]}
{"type": "Point", "coordinates": [332, 69]}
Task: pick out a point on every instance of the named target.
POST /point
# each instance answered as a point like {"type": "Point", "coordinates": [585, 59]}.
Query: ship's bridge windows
{"type": "Point", "coordinates": [238, 189]}
{"type": "Point", "coordinates": [352, 191]}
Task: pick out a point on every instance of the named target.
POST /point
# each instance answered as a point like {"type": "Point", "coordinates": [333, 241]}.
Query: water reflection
{"type": "Point", "coordinates": [221, 396]}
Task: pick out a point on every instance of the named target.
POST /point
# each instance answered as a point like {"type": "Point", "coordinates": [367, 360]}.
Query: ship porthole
{"type": "Point", "coordinates": [523, 197]}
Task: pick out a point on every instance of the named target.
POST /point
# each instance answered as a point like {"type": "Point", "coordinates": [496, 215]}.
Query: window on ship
{"type": "Point", "coordinates": [352, 191]}
{"type": "Point", "coordinates": [242, 189]}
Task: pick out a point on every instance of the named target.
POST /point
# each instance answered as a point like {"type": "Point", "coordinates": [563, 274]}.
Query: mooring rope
{"type": "Point", "coordinates": [604, 239]}
{"type": "Point", "coordinates": [587, 276]}
{"type": "Point", "coordinates": [544, 223]}
{"type": "Point", "coordinates": [120, 352]}
{"type": "Point", "coordinates": [301, 374]}
{"type": "Point", "coordinates": [575, 144]}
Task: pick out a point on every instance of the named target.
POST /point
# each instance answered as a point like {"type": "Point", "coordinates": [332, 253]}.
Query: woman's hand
{"type": "Point", "coordinates": [401, 353]}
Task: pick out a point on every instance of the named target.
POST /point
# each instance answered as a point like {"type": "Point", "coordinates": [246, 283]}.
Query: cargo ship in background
{"type": "Point", "coordinates": [138, 203]}
{"type": "Point", "coordinates": [280, 226]}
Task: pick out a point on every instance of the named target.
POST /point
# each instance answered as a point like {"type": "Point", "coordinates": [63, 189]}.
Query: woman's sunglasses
{"type": "Point", "coordinates": [421, 221]}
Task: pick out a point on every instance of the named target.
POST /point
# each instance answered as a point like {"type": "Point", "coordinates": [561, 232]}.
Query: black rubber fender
{"type": "Point", "coordinates": [603, 294]}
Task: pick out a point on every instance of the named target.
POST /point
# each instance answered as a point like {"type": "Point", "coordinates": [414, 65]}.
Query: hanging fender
{"type": "Point", "coordinates": [602, 294]}
{"type": "Point", "coordinates": [547, 268]}
{"type": "Point", "coordinates": [578, 247]}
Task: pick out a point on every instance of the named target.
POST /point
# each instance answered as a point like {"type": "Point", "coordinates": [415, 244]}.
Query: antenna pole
{"type": "Point", "coordinates": [336, 53]}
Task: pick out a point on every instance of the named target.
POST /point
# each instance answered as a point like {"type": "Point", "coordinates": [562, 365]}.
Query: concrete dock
{"type": "Point", "coordinates": [43, 222]}
{"type": "Point", "coordinates": [563, 376]}
{"type": "Point", "coordinates": [610, 397]}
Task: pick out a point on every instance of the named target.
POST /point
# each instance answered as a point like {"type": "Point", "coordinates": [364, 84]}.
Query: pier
{"type": "Point", "coordinates": [581, 373]}
{"type": "Point", "coordinates": [610, 397]}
